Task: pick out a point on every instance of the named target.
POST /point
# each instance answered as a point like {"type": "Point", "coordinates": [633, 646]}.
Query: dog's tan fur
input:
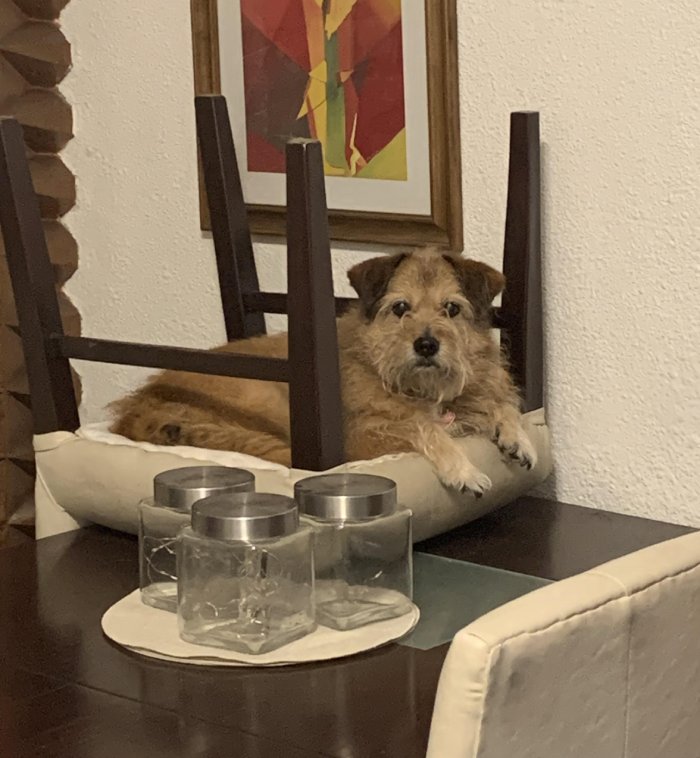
{"type": "Point", "coordinates": [391, 403]}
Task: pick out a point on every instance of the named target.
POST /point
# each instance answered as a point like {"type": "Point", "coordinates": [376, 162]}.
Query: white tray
{"type": "Point", "coordinates": [153, 633]}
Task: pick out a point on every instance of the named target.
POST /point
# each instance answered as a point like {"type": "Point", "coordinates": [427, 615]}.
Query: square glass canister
{"type": "Point", "coordinates": [245, 574]}
{"type": "Point", "coordinates": [162, 516]}
{"type": "Point", "coordinates": [363, 548]}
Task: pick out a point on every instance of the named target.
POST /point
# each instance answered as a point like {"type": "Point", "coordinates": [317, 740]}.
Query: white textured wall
{"type": "Point", "coordinates": [618, 86]}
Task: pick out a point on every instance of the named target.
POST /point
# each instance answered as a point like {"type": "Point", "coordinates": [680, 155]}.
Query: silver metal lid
{"type": "Point", "coordinates": [245, 516]}
{"type": "Point", "coordinates": [180, 488]}
{"type": "Point", "coordinates": [346, 497]}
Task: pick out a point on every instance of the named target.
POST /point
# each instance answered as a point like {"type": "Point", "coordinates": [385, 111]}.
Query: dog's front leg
{"type": "Point", "coordinates": [496, 415]}
{"type": "Point", "coordinates": [370, 437]}
{"type": "Point", "coordinates": [510, 437]}
{"type": "Point", "coordinates": [451, 463]}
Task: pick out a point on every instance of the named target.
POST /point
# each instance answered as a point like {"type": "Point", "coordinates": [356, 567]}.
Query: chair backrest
{"type": "Point", "coordinates": [604, 664]}
{"type": "Point", "coordinates": [312, 369]}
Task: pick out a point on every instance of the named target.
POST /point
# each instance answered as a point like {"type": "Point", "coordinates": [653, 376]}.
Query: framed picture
{"type": "Point", "coordinates": [375, 81]}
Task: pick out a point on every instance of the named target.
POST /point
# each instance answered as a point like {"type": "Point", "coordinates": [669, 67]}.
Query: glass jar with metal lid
{"type": "Point", "coordinates": [363, 548]}
{"type": "Point", "coordinates": [245, 574]}
{"type": "Point", "coordinates": [162, 516]}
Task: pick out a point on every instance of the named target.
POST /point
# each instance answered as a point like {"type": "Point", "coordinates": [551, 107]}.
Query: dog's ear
{"type": "Point", "coordinates": [371, 278]}
{"type": "Point", "coordinates": [480, 283]}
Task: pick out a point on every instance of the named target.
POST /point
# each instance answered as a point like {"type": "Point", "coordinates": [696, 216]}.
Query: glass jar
{"type": "Point", "coordinates": [162, 516]}
{"type": "Point", "coordinates": [246, 577]}
{"type": "Point", "coordinates": [363, 548]}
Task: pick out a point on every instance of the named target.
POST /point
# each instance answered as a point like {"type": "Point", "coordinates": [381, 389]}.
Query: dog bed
{"type": "Point", "coordinates": [93, 476]}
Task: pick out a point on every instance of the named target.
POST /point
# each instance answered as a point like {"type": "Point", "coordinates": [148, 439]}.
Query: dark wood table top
{"type": "Point", "coordinates": [66, 691]}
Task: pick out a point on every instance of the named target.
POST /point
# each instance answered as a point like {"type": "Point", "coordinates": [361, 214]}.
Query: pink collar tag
{"type": "Point", "coordinates": [447, 418]}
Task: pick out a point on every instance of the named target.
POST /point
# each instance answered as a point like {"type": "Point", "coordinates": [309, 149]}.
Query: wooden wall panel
{"type": "Point", "coordinates": [35, 57]}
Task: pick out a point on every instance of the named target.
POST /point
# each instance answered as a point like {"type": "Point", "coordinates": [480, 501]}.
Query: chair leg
{"type": "Point", "coordinates": [314, 375]}
{"type": "Point", "coordinates": [54, 405]}
{"type": "Point", "coordinates": [521, 311]}
{"type": "Point", "coordinates": [229, 218]}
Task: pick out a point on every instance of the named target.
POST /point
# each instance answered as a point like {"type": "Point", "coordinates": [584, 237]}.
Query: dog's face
{"type": "Point", "coordinates": [427, 319]}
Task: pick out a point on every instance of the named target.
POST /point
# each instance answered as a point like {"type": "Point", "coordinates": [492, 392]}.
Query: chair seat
{"type": "Point", "coordinates": [93, 476]}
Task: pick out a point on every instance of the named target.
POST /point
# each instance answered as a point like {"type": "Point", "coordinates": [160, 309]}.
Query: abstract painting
{"type": "Point", "coordinates": [331, 70]}
{"type": "Point", "coordinates": [376, 82]}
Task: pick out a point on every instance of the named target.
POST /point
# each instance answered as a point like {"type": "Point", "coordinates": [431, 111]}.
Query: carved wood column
{"type": "Point", "coordinates": [34, 58]}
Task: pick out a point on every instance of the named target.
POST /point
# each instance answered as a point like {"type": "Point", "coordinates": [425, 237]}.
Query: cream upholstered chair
{"type": "Point", "coordinates": [605, 664]}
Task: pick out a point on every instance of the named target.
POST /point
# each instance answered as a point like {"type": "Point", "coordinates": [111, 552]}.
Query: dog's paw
{"type": "Point", "coordinates": [515, 445]}
{"type": "Point", "coordinates": [477, 484]}
{"type": "Point", "coordinates": [466, 479]}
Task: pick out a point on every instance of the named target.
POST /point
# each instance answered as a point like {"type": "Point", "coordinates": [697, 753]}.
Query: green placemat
{"type": "Point", "coordinates": [451, 594]}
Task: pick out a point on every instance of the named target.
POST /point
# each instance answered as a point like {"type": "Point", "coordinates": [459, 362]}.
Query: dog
{"type": "Point", "coordinates": [419, 369]}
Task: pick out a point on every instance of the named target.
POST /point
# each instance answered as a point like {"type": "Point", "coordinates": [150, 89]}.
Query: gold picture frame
{"type": "Point", "coordinates": [443, 225]}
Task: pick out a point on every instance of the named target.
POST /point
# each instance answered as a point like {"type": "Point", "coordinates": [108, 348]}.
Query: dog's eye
{"type": "Point", "coordinates": [452, 309]}
{"type": "Point", "coordinates": [400, 307]}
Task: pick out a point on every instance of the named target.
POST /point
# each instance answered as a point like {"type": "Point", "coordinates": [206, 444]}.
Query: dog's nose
{"type": "Point", "coordinates": [426, 346]}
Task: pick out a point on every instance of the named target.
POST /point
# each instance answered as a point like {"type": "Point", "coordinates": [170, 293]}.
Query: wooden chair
{"type": "Point", "coordinates": [312, 367]}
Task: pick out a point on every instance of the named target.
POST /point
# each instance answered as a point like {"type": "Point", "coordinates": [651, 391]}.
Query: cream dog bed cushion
{"type": "Point", "coordinates": [94, 476]}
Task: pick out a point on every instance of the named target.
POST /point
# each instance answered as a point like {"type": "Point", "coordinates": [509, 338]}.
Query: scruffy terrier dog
{"type": "Point", "coordinates": [419, 369]}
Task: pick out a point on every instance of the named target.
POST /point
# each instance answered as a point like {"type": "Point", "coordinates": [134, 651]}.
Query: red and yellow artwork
{"type": "Point", "coordinates": [331, 70]}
